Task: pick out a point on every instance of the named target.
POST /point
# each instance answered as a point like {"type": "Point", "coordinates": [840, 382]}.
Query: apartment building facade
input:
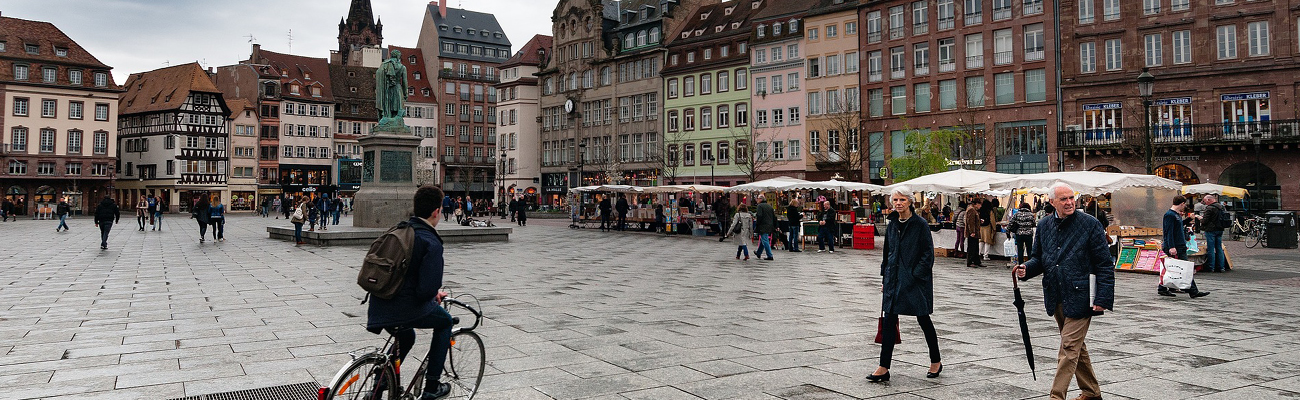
{"type": "Point", "coordinates": [242, 178]}
{"type": "Point", "coordinates": [58, 129]}
{"type": "Point", "coordinates": [1221, 106]}
{"type": "Point", "coordinates": [777, 67]}
{"type": "Point", "coordinates": [465, 47]}
{"type": "Point", "coordinates": [518, 129]}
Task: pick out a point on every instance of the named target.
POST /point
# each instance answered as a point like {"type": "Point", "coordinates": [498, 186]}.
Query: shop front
{"type": "Point", "coordinates": [243, 200]}
{"type": "Point", "coordinates": [349, 173]}
{"type": "Point", "coordinates": [554, 188]}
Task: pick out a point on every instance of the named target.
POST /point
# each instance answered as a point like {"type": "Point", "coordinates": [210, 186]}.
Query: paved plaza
{"type": "Point", "coordinates": [581, 314]}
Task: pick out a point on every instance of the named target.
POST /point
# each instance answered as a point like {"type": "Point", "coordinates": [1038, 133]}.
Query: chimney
{"type": "Point", "coordinates": [442, 7]}
{"type": "Point", "coordinates": [256, 57]}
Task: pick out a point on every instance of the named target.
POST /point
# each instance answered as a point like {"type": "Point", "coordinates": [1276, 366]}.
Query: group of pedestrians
{"type": "Point", "coordinates": [207, 213]}
{"type": "Point", "coordinates": [518, 211]}
{"type": "Point", "coordinates": [462, 207]}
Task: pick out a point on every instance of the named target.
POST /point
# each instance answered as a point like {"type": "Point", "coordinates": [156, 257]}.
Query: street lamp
{"type": "Point", "coordinates": [1146, 84]}
{"type": "Point", "coordinates": [502, 199]}
{"type": "Point", "coordinates": [582, 159]}
{"type": "Point", "coordinates": [1256, 136]}
{"type": "Point", "coordinates": [713, 180]}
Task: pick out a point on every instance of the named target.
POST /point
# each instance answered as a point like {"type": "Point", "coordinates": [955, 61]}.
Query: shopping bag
{"type": "Point", "coordinates": [1177, 274]}
{"type": "Point", "coordinates": [1192, 246]}
{"type": "Point", "coordinates": [1009, 248]}
{"type": "Point", "coordinates": [880, 332]}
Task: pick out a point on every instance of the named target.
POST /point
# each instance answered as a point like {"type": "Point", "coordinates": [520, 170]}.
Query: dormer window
{"type": "Point", "coordinates": [471, 31]}
{"type": "Point", "coordinates": [294, 89]}
{"type": "Point", "coordinates": [424, 92]}
{"type": "Point", "coordinates": [306, 75]}
{"type": "Point", "coordinates": [2, 46]}
{"type": "Point", "coordinates": [352, 74]}
{"type": "Point", "coordinates": [315, 91]}
{"type": "Point", "coordinates": [33, 49]}
{"type": "Point", "coordinates": [776, 29]}
{"type": "Point", "coordinates": [717, 29]}
{"type": "Point", "coordinates": [699, 32]}
{"type": "Point", "coordinates": [352, 89]}
{"type": "Point", "coordinates": [735, 25]}
{"type": "Point", "coordinates": [794, 25]}
{"type": "Point", "coordinates": [61, 52]}
{"type": "Point", "coordinates": [442, 27]}
{"type": "Point", "coordinates": [417, 76]}
{"type": "Point", "coordinates": [456, 29]}
{"type": "Point", "coordinates": [762, 31]}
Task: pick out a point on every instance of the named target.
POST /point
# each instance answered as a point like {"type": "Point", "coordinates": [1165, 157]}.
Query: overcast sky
{"type": "Point", "coordinates": [141, 35]}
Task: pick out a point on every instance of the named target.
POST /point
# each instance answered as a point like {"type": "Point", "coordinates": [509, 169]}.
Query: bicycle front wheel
{"type": "Point", "coordinates": [1256, 236]}
{"type": "Point", "coordinates": [466, 361]}
{"type": "Point", "coordinates": [368, 377]}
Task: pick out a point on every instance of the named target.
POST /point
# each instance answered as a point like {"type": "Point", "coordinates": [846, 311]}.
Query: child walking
{"type": "Point", "coordinates": [742, 230]}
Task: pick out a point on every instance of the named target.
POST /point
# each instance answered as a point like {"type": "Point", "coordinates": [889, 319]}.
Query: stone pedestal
{"type": "Point", "coordinates": [387, 179]}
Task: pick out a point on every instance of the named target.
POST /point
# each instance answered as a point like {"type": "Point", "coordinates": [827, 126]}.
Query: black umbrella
{"type": "Point", "coordinates": [1024, 326]}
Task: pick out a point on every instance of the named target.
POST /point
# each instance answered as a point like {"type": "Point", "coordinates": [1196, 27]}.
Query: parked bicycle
{"type": "Point", "coordinates": [375, 373]}
{"type": "Point", "coordinates": [1251, 229]}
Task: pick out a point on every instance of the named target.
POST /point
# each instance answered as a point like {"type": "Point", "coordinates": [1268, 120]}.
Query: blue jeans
{"type": "Point", "coordinates": [104, 228]}
{"type": "Point", "coordinates": [1024, 245]}
{"type": "Point", "coordinates": [336, 217]}
{"type": "Point", "coordinates": [157, 216]}
{"type": "Point", "coordinates": [742, 248]}
{"type": "Point", "coordinates": [1214, 258]}
{"type": "Point", "coordinates": [825, 238]}
{"type": "Point", "coordinates": [438, 320]}
{"type": "Point", "coordinates": [764, 243]}
{"type": "Point", "coordinates": [63, 222]}
{"type": "Point", "coordinates": [794, 237]}
{"type": "Point", "coordinates": [297, 232]}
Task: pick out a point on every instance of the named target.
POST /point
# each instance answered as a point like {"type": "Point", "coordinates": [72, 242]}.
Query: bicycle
{"type": "Point", "coordinates": [1257, 233]}
{"type": "Point", "coordinates": [375, 373]}
{"type": "Point", "coordinates": [1242, 226]}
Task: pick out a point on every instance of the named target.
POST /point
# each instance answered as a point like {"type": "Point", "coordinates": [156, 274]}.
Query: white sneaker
{"type": "Point", "coordinates": [832, 251]}
{"type": "Point", "coordinates": [821, 251]}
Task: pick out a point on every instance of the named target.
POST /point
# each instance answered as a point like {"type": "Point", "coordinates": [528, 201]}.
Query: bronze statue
{"type": "Point", "coordinates": [390, 94]}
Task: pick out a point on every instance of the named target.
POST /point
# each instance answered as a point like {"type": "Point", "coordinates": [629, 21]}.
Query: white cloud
{"type": "Point", "coordinates": [142, 35]}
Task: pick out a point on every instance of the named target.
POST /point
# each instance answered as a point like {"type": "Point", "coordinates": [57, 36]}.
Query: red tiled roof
{"type": "Point", "coordinates": [528, 54]}
{"type": "Point", "coordinates": [17, 33]}
{"type": "Point", "coordinates": [306, 71]}
{"type": "Point", "coordinates": [427, 80]}
{"type": "Point", "coordinates": [164, 88]}
{"type": "Point", "coordinates": [238, 106]}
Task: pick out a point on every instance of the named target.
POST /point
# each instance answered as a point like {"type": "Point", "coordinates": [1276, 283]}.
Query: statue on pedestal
{"type": "Point", "coordinates": [390, 94]}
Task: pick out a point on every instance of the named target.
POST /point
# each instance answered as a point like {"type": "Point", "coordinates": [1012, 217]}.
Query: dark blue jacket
{"type": "Point", "coordinates": [907, 267]}
{"type": "Point", "coordinates": [447, 205]}
{"type": "Point", "coordinates": [418, 295]}
{"type": "Point", "coordinates": [1066, 251]}
{"type": "Point", "coordinates": [1173, 235]}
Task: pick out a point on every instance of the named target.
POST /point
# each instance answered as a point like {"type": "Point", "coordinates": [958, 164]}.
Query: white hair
{"type": "Point", "coordinates": [904, 191]}
{"type": "Point", "coordinates": [1058, 185]}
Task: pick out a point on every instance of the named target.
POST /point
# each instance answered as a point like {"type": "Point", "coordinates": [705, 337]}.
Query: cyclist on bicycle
{"type": "Point", "coordinates": [416, 304]}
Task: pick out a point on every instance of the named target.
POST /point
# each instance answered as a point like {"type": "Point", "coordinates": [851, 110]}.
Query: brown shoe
{"type": "Point", "coordinates": [1085, 397]}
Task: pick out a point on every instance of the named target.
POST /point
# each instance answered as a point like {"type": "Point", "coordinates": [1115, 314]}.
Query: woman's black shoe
{"type": "Point", "coordinates": [934, 374]}
{"type": "Point", "coordinates": [879, 378]}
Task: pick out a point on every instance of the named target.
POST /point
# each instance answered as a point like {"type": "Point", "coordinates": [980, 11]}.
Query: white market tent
{"type": "Point", "coordinates": [834, 185]}
{"type": "Point", "coordinates": [767, 185]}
{"type": "Point", "coordinates": [609, 188]}
{"type": "Point", "coordinates": [1210, 188]}
{"type": "Point", "coordinates": [1093, 183]}
{"type": "Point", "coordinates": [684, 188]}
{"type": "Point", "coordinates": [958, 181]}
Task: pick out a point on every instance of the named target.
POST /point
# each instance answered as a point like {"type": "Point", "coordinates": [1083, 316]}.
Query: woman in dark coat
{"type": "Point", "coordinates": [202, 214]}
{"type": "Point", "coordinates": [908, 280]}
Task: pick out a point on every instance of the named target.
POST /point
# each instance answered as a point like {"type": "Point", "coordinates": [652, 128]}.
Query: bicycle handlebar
{"type": "Point", "coordinates": [478, 317]}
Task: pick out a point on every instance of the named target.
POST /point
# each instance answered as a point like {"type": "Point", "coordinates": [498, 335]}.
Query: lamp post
{"type": "Point", "coordinates": [1146, 84]}
{"type": "Point", "coordinates": [713, 180]}
{"type": "Point", "coordinates": [502, 200]}
{"type": "Point", "coordinates": [1256, 136]}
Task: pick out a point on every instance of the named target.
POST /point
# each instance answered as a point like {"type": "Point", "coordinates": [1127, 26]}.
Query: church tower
{"type": "Point", "coordinates": [359, 30]}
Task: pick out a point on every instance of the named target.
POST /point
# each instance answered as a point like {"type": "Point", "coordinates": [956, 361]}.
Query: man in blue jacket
{"type": "Point", "coordinates": [417, 302]}
{"type": "Point", "coordinates": [1175, 242]}
{"type": "Point", "coordinates": [1069, 248]}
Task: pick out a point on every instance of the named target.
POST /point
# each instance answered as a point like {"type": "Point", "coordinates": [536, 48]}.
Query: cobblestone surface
{"type": "Point", "coordinates": [582, 314]}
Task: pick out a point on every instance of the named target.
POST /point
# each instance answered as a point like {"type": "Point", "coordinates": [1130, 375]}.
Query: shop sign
{"type": "Point", "coordinates": [1103, 106]}
{"type": "Point", "coordinates": [1245, 96]}
{"type": "Point", "coordinates": [1177, 158]}
{"type": "Point", "coordinates": [1173, 102]}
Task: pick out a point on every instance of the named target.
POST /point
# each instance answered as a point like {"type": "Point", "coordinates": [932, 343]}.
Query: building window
{"type": "Point", "coordinates": [974, 51]}
{"type": "Point", "coordinates": [742, 114]}
{"type": "Point", "coordinates": [920, 58]}
{"type": "Point", "coordinates": [688, 119]}
{"type": "Point", "coordinates": [1004, 88]}
{"type": "Point", "coordinates": [20, 106]}
{"type": "Point", "coordinates": [101, 112]}
{"type": "Point", "coordinates": [20, 72]}
{"type": "Point", "coordinates": [975, 91]}
{"type": "Point", "coordinates": [920, 18]}
{"type": "Point", "coordinates": [1086, 12]}
{"type": "Point", "coordinates": [742, 79]}
{"type": "Point", "coordinates": [922, 97]}
{"type": "Point", "coordinates": [1179, 5]}
{"type": "Point", "coordinates": [1151, 7]}
{"type": "Point", "coordinates": [873, 27]}
{"type": "Point", "coordinates": [1087, 57]}
{"type": "Point", "coordinates": [832, 31]}
{"type": "Point", "coordinates": [74, 142]}
{"type": "Point", "coordinates": [47, 140]}
{"type": "Point", "coordinates": [73, 169]}
{"type": "Point", "coordinates": [1035, 85]}
{"type": "Point", "coordinates": [814, 142]}
{"type": "Point", "coordinates": [45, 168]}
{"type": "Point", "coordinates": [17, 167]}
{"type": "Point", "coordinates": [1002, 54]}
{"type": "Point", "coordinates": [948, 94]}
{"type": "Point", "coordinates": [1154, 50]}
{"type": "Point", "coordinates": [1034, 47]}
{"type": "Point", "coordinates": [101, 79]}
{"type": "Point", "coordinates": [897, 67]}
{"type": "Point", "coordinates": [1110, 10]}
{"type": "Point", "coordinates": [794, 150]}
{"type": "Point", "coordinates": [1258, 34]}
{"type": "Point", "coordinates": [1182, 47]}
{"type": "Point", "coordinates": [1001, 10]}
{"type": "Point", "coordinates": [946, 14]}
{"type": "Point", "coordinates": [688, 86]}
{"type": "Point", "coordinates": [101, 142]}
{"type": "Point", "coordinates": [49, 74]}
{"type": "Point", "coordinates": [895, 23]}
{"type": "Point", "coordinates": [1114, 55]}
{"type": "Point", "coordinates": [875, 102]}
{"type": "Point", "coordinates": [1227, 41]}
{"type": "Point", "coordinates": [49, 108]}
{"type": "Point", "coordinates": [1032, 7]}
{"type": "Point", "coordinates": [18, 140]}
{"type": "Point", "coordinates": [974, 11]}
{"type": "Point", "coordinates": [76, 109]}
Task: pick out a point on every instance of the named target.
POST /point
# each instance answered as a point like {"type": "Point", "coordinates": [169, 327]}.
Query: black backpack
{"type": "Point", "coordinates": [1225, 218]}
{"type": "Point", "coordinates": [386, 263]}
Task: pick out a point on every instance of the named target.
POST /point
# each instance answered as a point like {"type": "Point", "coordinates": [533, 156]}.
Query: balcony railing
{"type": "Point", "coordinates": [947, 23]}
{"type": "Point", "coordinates": [1002, 58]}
{"type": "Point", "coordinates": [1175, 135]}
{"type": "Point", "coordinates": [490, 78]}
{"type": "Point", "coordinates": [1034, 55]}
{"type": "Point", "coordinates": [873, 37]}
{"type": "Point", "coordinates": [896, 33]}
{"type": "Point", "coordinates": [976, 18]}
{"type": "Point", "coordinates": [920, 29]}
{"type": "Point", "coordinates": [897, 74]}
{"type": "Point", "coordinates": [975, 61]}
{"type": "Point", "coordinates": [922, 69]}
{"type": "Point", "coordinates": [947, 66]}
{"type": "Point", "coordinates": [1001, 13]}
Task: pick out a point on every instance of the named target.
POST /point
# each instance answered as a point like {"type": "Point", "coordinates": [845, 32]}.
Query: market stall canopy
{"type": "Point", "coordinates": [609, 188]}
{"type": "Point", "coordinates": [767, 185]}
{"type": "Point", "coordinates": [684, 188]}
{"type": "Point", "coordinates": [835, 185]}
{"type": "Point", "coordinates": [1210, 188]}
{"type": "Point", "coordinates": [1093, 183]}
{"type": "Point", "coordinates": [959, 181]}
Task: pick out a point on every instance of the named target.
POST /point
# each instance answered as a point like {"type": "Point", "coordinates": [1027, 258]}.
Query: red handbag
{"type": "Point", "coordinates": [880, 331]}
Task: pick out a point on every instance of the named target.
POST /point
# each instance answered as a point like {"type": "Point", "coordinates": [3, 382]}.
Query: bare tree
{"type": "Point", "coordinates": [969, 145]}
{"type": "Point", "coordinates": [756, 161]}
{"type": "Point", "coordinates": [667, 158]}
{"type": "Point", "coordinates": [843, 147]}
{"type": "Point", "coordinates": [604, 160]}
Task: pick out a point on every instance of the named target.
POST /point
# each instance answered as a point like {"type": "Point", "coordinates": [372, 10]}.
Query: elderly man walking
{"type": "Point", "coordinates": [1069, 248]}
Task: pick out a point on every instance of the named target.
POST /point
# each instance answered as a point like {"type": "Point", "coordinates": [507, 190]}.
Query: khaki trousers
{"type": "Point", "coordinates": [1072, 360]}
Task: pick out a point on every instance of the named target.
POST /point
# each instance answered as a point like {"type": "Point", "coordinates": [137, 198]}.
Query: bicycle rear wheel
{"type": "Point", "coordinates": [466, 361]}
{"type": "Point", "coordinates": [368, 377]}
{"type": "Point", "coordinates": [1256, 236]}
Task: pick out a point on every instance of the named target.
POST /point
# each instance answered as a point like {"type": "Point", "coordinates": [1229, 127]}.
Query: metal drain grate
{"type": "Point", "coordinates": [300, 391]}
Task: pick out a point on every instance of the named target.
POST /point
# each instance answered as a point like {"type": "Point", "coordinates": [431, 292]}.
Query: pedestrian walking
{"type": "Point", "coordinates": [217, 218]}
{"type": "Point", "coordinates": [1174, 243]}
{"type": "Point", "coordinates": [605, 209]}
{"type": "Point", "coordinates": [63, 209]}
{"type": "Point", "coordinates": [959, 222]}
{"type": "Point", "coordinates": [622, 209]}
{"type": "Point", "coordinates": [106, 214]}
{"type": "Point", "coordinates": [907, 278]}
{"type": "Point", "coordinates": [312, 214]}
{"type": "Point", "coordinates": [142, 212]}
{"type": "Point", "coordinates": [153, 211]}
{"type": "Point", "coordinates": [1070, 249]}
{"type": "Point", "coordinates": [202, 215]}
{"type": "Point", "coordinates": [288, 206]}
{"type": "Point", "coordinates": [765, 224]}
{"type": "Point", "coordinates": [660, 219]}
{"type": "Point", "coordinates": [323, 212]}
{"type": "Point", "coordinates": [1022, 226]}
{"type": "Point", "coordinates": [336, 208]}
{"type": "Point", "coordinates": [297, 218]}
{"type": "Point", "coordinates": [7, 210]}
{"type": "Point", "coordinates": [1213, 222]}
{"type": "Point", "coordinates": [447, 206]}
{"type": "Point", "coordinates": [521, 213]}
{"type": "Point", "coordinates": [158, 212]}
{"type": "Point", "coordinates": [722, 210]}
{"type": "Point", "coordinates": [972, 217]}
{"type": "Point", "coordinates": [794, 216]}
{"type": "Point", "coordinates": [742, 230]}
{"type": "Point", "coordinates": [275, 207]}
{"type": "Point", "coordinates": [827, 225]}
{"type": "Point", "coordinates": [266, 206]}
